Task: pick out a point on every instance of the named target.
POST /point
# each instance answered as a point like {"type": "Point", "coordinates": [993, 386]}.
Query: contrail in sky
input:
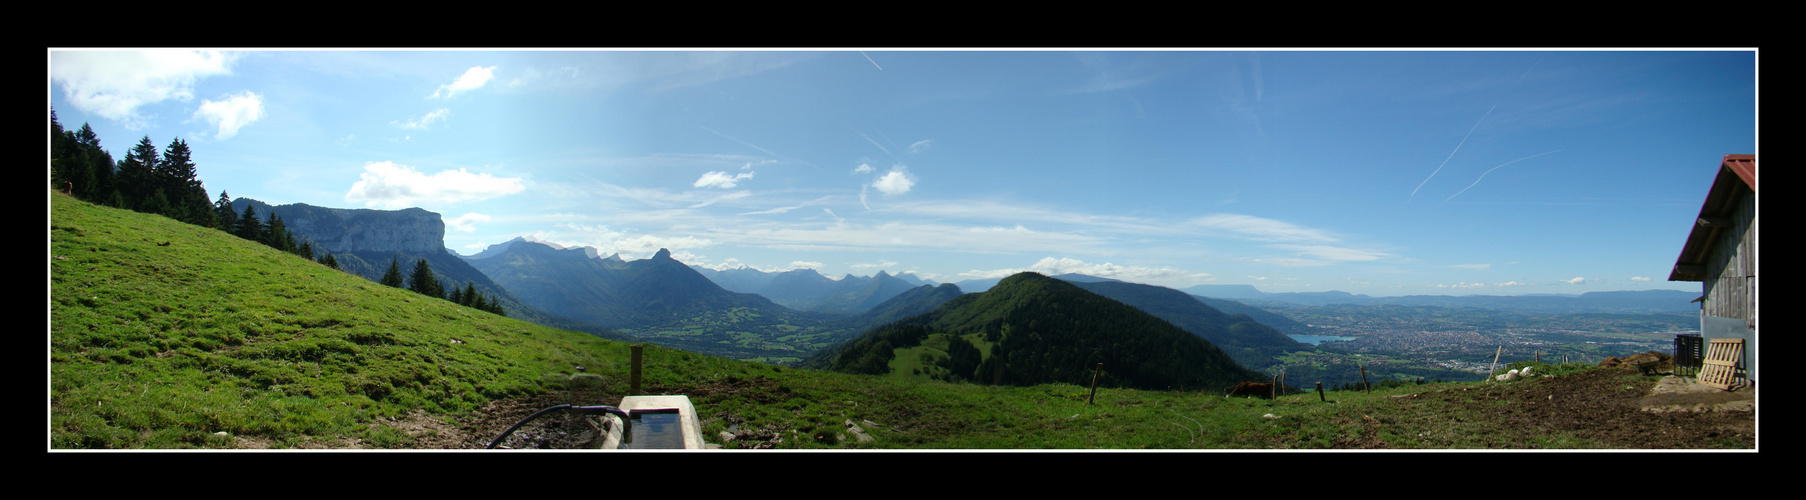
{"type": "Point", "coordinates": [762, 150]}
{"type": "Point", "coordinates": [1445, 161]}
{"type": "Point", "coordinates": [875, 143]}
{"type": "Point", "coordinates": [869, 58]}
{"type": "Point", "coordinates": [1488, 171]}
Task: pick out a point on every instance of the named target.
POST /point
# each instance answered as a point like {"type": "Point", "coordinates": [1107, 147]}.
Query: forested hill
{"type": "Point", "coordinates": [1248, 341]}
{"type": "Point", "coordinates": [1032, 329]}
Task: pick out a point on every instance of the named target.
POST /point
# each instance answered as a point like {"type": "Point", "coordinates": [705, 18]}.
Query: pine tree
{"type": "Point", "coordinates": [392, 277]}
{"type": "Point", "coordinates": [222, 210]}
{"type": "Point", "coordinates": [329, 261]}
{"type": "Point", "coordinates": [421, 281]}
{"type": "Point", "coordinates": [63, 149]}
{"type": "Point", "coordinates": [182, 185]}
{"type": "Point", "coordinates": [248, 226]}
{"type": "Point", "coordinates": [100, 165]}
{"type": "Point", "coordinates": [176, 172]}
{"type": "Point", "coordinates": [470, 297]}
{"type": "Point", "coordinates": [137, 172]}
{"type": "Point", "coordinates": [156, 203]}
{"type": "Point", "coordinates": [278, 236]}
{"type": "Point", "coordinates": [477, 303]}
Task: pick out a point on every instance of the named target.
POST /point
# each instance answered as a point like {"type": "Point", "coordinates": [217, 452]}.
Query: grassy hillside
{"type": "Point", "coordinates": [163, 334]}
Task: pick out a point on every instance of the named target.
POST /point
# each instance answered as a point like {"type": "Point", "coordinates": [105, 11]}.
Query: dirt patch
{"type": "Point", "coordinates": [427, 431]}
{"type": "Point", "coordinates": [1606, 408]}
{"type": "Point", "coordinates": [556, 431]}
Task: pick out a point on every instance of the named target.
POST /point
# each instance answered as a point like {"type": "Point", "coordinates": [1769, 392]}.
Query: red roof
{"type": "Point", "coordinates": [1736, 179]}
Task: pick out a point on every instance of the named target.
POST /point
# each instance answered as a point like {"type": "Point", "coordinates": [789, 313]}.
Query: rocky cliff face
{"type": "Point", "coordinates": [358, 230]}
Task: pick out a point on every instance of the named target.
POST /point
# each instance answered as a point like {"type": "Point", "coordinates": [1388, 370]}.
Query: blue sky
{"type": "Point", "coordinates": [1380, 172]}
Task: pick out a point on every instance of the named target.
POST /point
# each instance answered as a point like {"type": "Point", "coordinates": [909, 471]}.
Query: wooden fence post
{"type": "Point", "coordinates": [1495, 363]}
{"type": "Point", "coordinates": [633, 375]}
{"type": "Point", "coordinates": [1094, 374]}
{"type": "Point", "coordinates": [1320, 396]}
{"type": "Point", "coordinates": [1364, 385]}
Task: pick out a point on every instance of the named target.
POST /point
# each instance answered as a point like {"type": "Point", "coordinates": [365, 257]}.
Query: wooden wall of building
{"type": "Point", "coordinates": [1730, 286]}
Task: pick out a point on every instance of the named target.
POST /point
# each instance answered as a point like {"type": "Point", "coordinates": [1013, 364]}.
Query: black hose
{"type": "Point", "coordinates": [510, 431]}
{"type": "Point", "coordinates": [626, 419]}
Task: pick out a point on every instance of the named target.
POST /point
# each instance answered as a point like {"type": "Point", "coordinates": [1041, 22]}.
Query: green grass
{"type": "Point", "coordinates": [166, 346]}
{"type": "Point", "coordinates": [163, 334]}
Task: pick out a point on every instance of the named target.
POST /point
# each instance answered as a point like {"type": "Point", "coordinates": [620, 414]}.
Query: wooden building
{"type": "Point", "coordinates": [1721, 253]}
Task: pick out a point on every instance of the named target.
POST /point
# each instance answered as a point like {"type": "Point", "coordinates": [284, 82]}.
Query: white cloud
{"type": "Point", "coordinates": [631, 247]}
{"type": "Point", "coordinates": [467, 222]}
{"type": "Point", "coordinates": [472, 79]}
{"type": "Point", "coordinates": [882, 264]}
{"type": "Point", "coordinates": [388, 185]}
{"type": "Point", "coordinates": [780, 210]}
{"type": "Point", "coordinates": [231, 113]}
{"type": "Point", "coordinates": [1577, 280]}
{"type": "Point", "coordinates": [920, 146]}
{"type": "Point", "coordinates": [1327, 252]}
{"type": "Point", "coordinates": [725, 197]}
{"type": "Point", "coordinates": [643, 246]}
{"type": "Point", "coordinates": [722, 179]}
{"type": "Point", "coordinates": [1135, 274]}
{"type": "Point", "coordinates": [997, 273]}
{"type": "Point", "coordinates": [797, 264]}
{"type": "Point", "coordinates": [863, 168]}
{"type": "Point", "coordinates": [1262, 229]}
{"type": "Point", "coordinates": [895, 182]}
{"type": "Point", "coordinates": [426, 120]}
{"type": "Point", "coordinates": [1461, 285]}
{"type": "Point", "coordinates": [1639, 278]}
{"type": "Point", "coordinates": [115, 84]}
{"type": "Point", "coordinates": [1138, 274]}
{"type": "Point", "coordinates": [1508, 284]}
{"type": "Point", "coordinates": [730, 263]}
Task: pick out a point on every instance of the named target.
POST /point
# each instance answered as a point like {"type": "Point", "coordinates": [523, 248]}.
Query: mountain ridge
{"type": "Point", "coordinates": [1043, 330]}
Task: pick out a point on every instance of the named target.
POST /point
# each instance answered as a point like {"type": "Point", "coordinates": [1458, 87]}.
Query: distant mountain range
{"type": "Point", "coordinates": [807, 290]}
{"type": "Point", "coordinates": [635, 296]}
{"type": "Point", "coordinates": [1615, 302]}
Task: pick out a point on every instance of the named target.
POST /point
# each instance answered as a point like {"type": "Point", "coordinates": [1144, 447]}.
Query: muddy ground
{"type": "Point", "coordinates": [1617, 408]}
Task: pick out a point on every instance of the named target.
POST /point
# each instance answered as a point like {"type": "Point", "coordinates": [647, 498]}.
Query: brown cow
{"type": "Point", "coordinates": [1252, 389]}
